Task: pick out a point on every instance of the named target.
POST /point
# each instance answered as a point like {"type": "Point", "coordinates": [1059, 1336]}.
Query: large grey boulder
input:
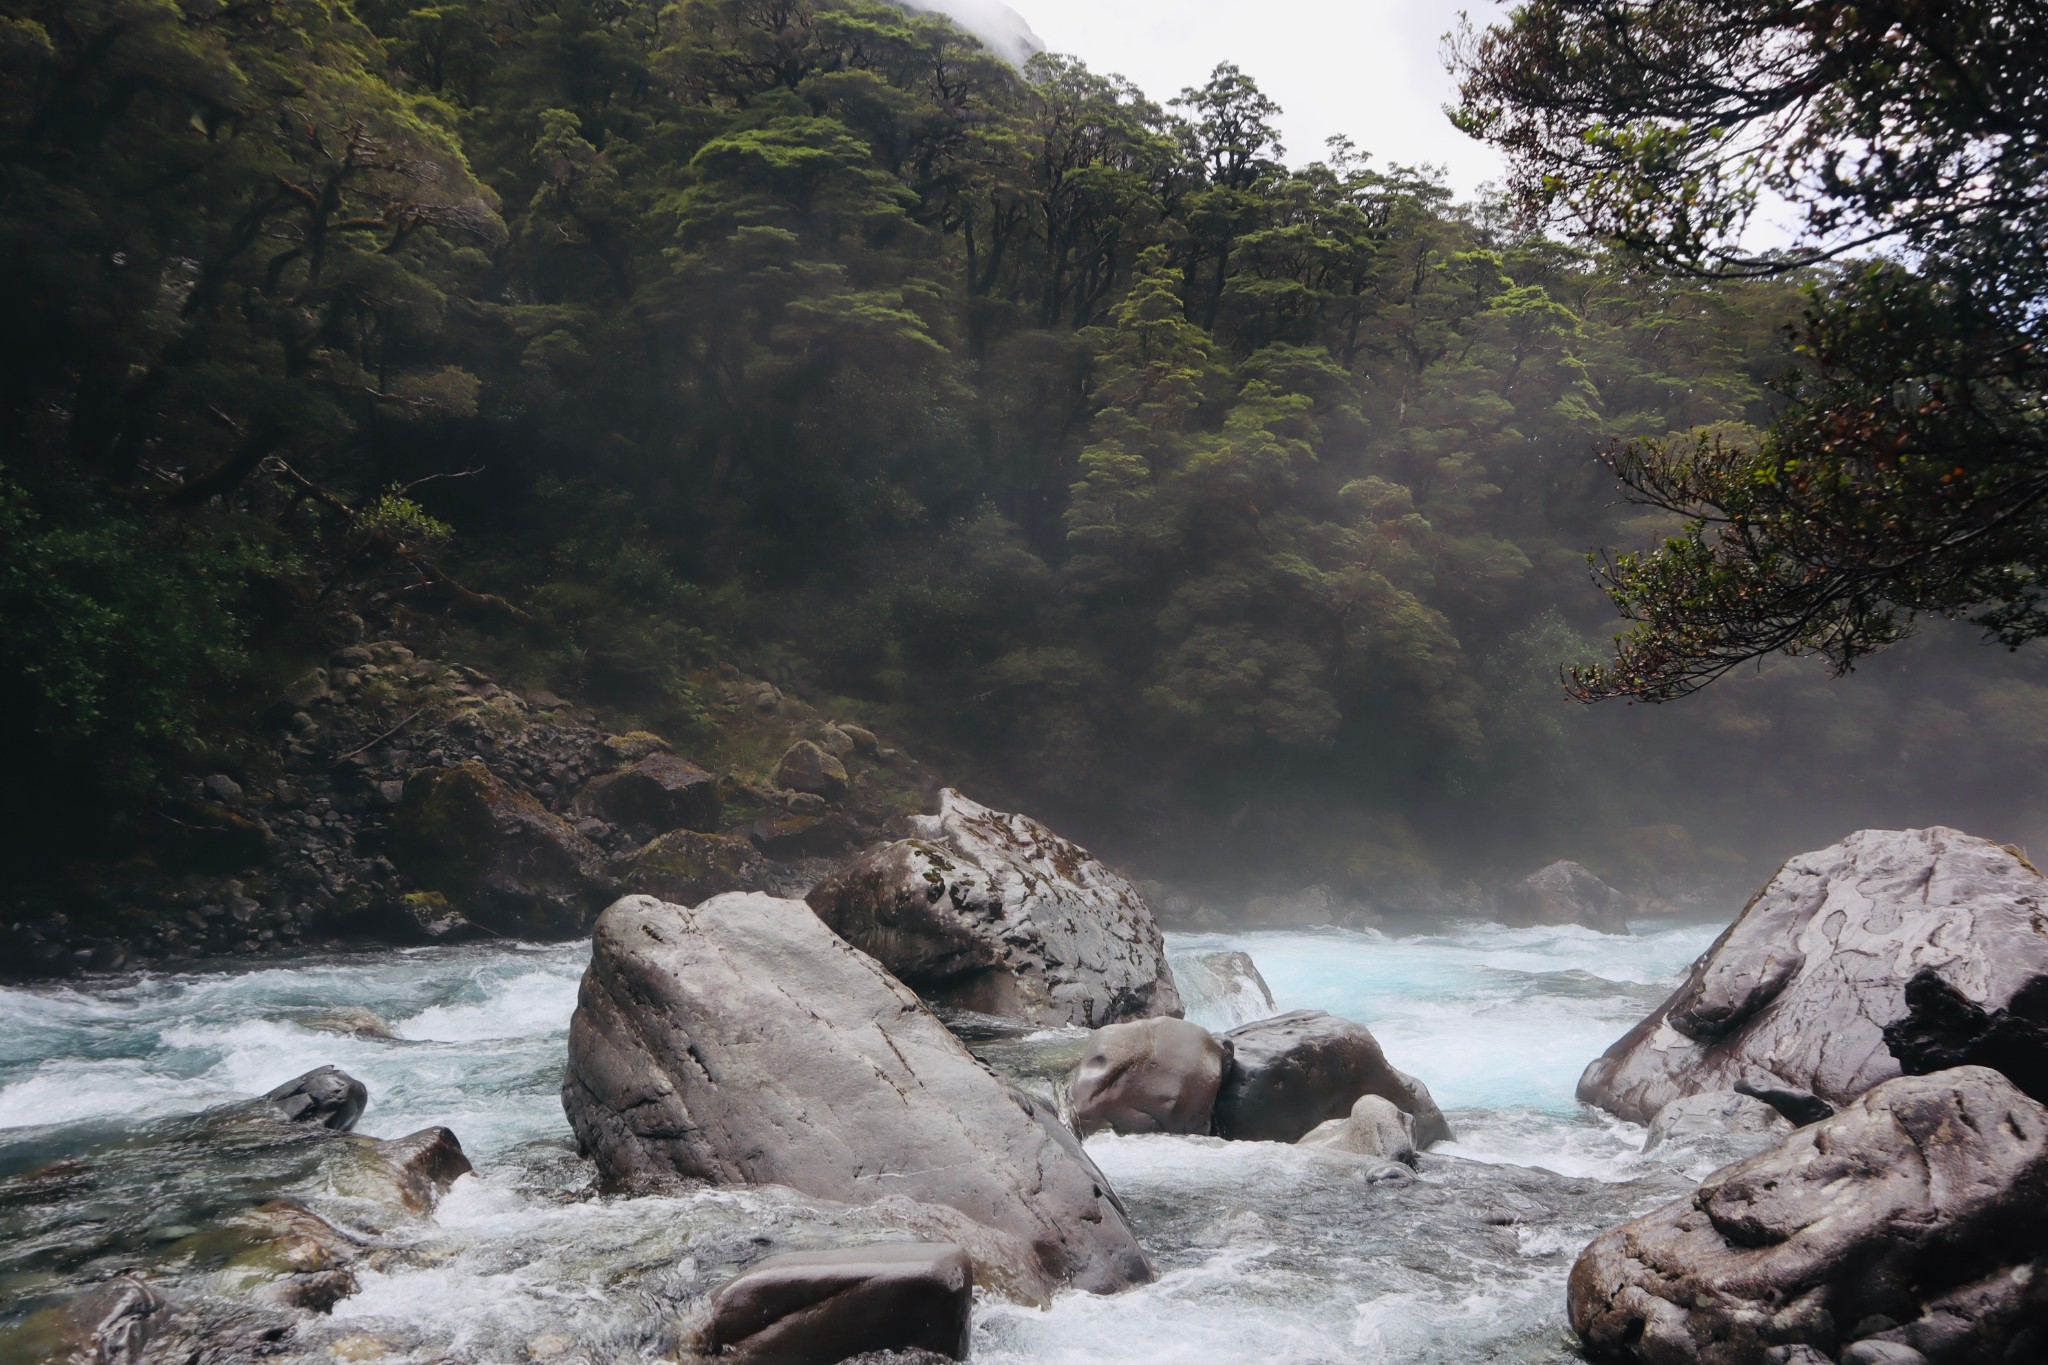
{"type": "Point", "coordinates": [1292, 1072]}
{"type": "Point", "coordinates": [1912, 1219]}
{"type": "Point", "coordinates": [743, 1042]}
{"type": "Point", "coordinates": [1148, 1076]}
{"type": "Point", "coordinates": [1719, 1117]}
{"type": "Point", "coordinates": [1799, 992]}
{"type": "Point", "coordinates": [820, 1307]}
{"type": "Point", "coordinates": [995, 913]}
{"type": "Point", "coordinates": [1565, 893]}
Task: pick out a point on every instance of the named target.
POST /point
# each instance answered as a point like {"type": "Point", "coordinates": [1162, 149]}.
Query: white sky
{"type": "Point", "coordinates": [1368, 69]}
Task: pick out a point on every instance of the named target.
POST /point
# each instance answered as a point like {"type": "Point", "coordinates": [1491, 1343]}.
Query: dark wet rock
{"type": "Point", "coordinates": [1566, 893]}
{"type": "Point", "coordinates": [1292, 1072]}
{"type": "Point", "coordinates": [1800, 992]}
{"type": "Point", "coordinates": [1227, 983]}
{"type": "Point", "coordinates": [807, 767]}
{"type": "Point", "coordinates": [1374, 1128]}
{"type": "Point", "coordinates": [1912, 1217]}
{"type": "Point", "coordinates": [110, 1324]}
{"type": "Point", "coordinates": [350, 1021]}
{"type": "Point", "coordinates": [429, 916]}
{"type": "Point", "coordinates": [1718, 1116]}
{"type": "Point", "coordinates": [800, 835]}
{"type": "Point", "coordinates": [410, 1172]}
{"type": "Point", "coordinates": [326, 1096]}
{"type": "Point", "coordinates": [741, 1041]}
{"type": "Point", "coordinates": [1942, 1028]}
{"type": "Point", "coordinates": [687, 867]}
{"type": "Point", "coordinates": [822, 1307]}
{"type": "Point", "coordinates": [1148, 1076]}
{"type": "Point", "coordinates": [995, 913]}
{"type": "Point", "coordinates": [281, 1253]}
{"type": "Point", "coordinates": [657, 794]}
{"type": "Point", "coordinates": [500, 856]}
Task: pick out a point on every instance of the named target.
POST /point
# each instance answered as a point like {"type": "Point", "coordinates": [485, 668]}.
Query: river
{"type": "Point", "coordinates": [1267, 1253]}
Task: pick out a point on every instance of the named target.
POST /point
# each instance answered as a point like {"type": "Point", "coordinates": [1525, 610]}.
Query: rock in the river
{"type": "Point", "coordinates": [1566, 893]}
{"type": "Point", "coordinates": [1148, 1076]}
{"type": "Point", "coordinates": [821, 1307]}
{"type": "Point", "coordinates": [687, 867]}
{"type": "Point", "coordinates": [995, 913]}
{"type": "Point", "coordinates": [1373, 1128]}
{"type": "Point", "coordinates": [325, 1095]}
{"type": "Point", "coordinates": [110, 1324]}
{"type": "Point", "coordinates": [742, 1041]}
{"type": "Point", "coordinates": [1225, 985]}
{"type": "Point", "coordinates": [1799, 992]}
{"type": "Point", "coordinates": [1716, 1116]}
{"type": "Point", "coordinates": [1912, 1218]}
{"type": "Point", "coordinates": [503, 859]}
{"type": "Point", "coordinates": [806, 767]}
{"type": "Point", "coordinates": [1291, 1072]}
{"type": "Point", "coordinates": [410, 1172]}
{"type": "Point", "coordinates": [659, 793]}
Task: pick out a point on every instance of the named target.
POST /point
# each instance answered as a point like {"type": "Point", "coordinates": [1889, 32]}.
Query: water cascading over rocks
{"type": "Point", "coordinates": [741, 1041]}
{"type": "Point", "coordinates": [994, 913]}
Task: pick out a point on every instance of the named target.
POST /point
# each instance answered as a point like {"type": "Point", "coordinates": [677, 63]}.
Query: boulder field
{"type": "Point", "coordinates": [741, 1041]}
{"type": "Point", "coordinates": [994, 913]}
{"type": "Point", "coordinates": [1890, 951]}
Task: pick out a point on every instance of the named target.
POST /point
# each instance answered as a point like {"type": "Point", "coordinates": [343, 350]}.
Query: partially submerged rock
{"type": "Point", "coordinates": [503, 859]}
{"type": "Point", "coordinates": [741, 1041]}
{"type": "Point", "coordinates": [820, 1307]}
{"type": "Point", "coordinates": [1912, 1219]}
{"type": "Point", "coordinates": [1289, 1073]}
{"type": "Point", "coordinates": [326, 1096]}
{"type": "Point", "coordinates": [1719, 1116]}
{"type": "Point", "coordinates": [1224, 987]}
{"type": "Point", "coordinates": [995, 913]}
{"type": "Point", "coordinates": [1800, 992]}
{"type": "Point", "coordinates": [410, 1172]}
{"type": "Point", "coordinates": [110, 1324]}
{"type": "Point", "coordinates": [1566, 893]}
{"type": "Point", "coordinates": [1374, 1128]}
{"type": "Point", "coordinates": [1148, 1076]}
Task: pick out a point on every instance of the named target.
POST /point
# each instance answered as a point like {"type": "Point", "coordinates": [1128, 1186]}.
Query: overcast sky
{"type": "Point", "coordinates": [1371, 70]}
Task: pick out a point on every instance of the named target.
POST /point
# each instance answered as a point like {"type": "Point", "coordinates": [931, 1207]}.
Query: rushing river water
{"type": "Point", "coordinates": [1266, 1253]}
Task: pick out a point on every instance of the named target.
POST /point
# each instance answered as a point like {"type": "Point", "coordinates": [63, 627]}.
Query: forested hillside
{"type": "Point", "coordinates": [1219, 499]}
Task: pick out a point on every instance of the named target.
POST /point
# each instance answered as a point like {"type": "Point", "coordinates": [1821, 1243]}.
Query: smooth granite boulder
{"type": "Point", "coordinates": [741, 1041]}
{"type": "Point", "coordinates": [820, 1307]}
{"type": "Point", "coordinates": [1804, 992]}
{"type": "Point", "coordinates": [1910, 1221]}
{"type": "Point", "coordinates": [1148, 1076]}
{"type": "Point", "coordinates": [995, 913]}
{"type": "Point", "coordinates": [1292, 1072]}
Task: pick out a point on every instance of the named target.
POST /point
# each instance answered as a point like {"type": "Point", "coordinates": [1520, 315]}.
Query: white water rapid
{"type": "Point", "coordinates": [1266, 1253]}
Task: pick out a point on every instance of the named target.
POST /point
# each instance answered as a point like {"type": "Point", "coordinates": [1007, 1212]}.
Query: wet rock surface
{"type": "Point", "coordinates": [1374, 1128]}
{"type": "Point", "coordinates": [822, 1307]}
{"type": "Point", "coordinates": [1721, 1117]}
{"type": "Point", "coordinates": [1911, 1219]}
{"type": "Point", "coordinates": [1566, 893]}
{"type": "Point", "coordinates": [1226, 984]}
{"type": "Point", "coordinates": [1803, 991]}
{"type": "Point", "coordinates": [1148, 1076]}
{"type": "Point", "coordinates": [995, 913]}
{"type": "Point", "coordinates": [326, 1096]}
{"type": "Point", "coordinates": [1292, 1072]}
{"type": "Point", "coordinates": [687, 867]}
{"type": "Point", "coordinates": [742, 1042]}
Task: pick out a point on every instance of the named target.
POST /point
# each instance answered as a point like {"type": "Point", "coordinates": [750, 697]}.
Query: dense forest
{"type": "Point", "coordinates": [1226, 503]}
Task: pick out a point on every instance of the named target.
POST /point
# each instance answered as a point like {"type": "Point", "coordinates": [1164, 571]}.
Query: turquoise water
{"type": "Point", "coordinates": [1268, 1253]}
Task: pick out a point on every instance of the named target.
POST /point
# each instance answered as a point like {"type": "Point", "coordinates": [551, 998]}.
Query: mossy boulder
{"type": "Point", "coordinates": [686, 867]}
{"type": "Point", "coordinates": [500, 857]}
{"type": "Point", "coordinates": [807, 767]}
{"type": "Point", "coordinates": [659, 793]}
